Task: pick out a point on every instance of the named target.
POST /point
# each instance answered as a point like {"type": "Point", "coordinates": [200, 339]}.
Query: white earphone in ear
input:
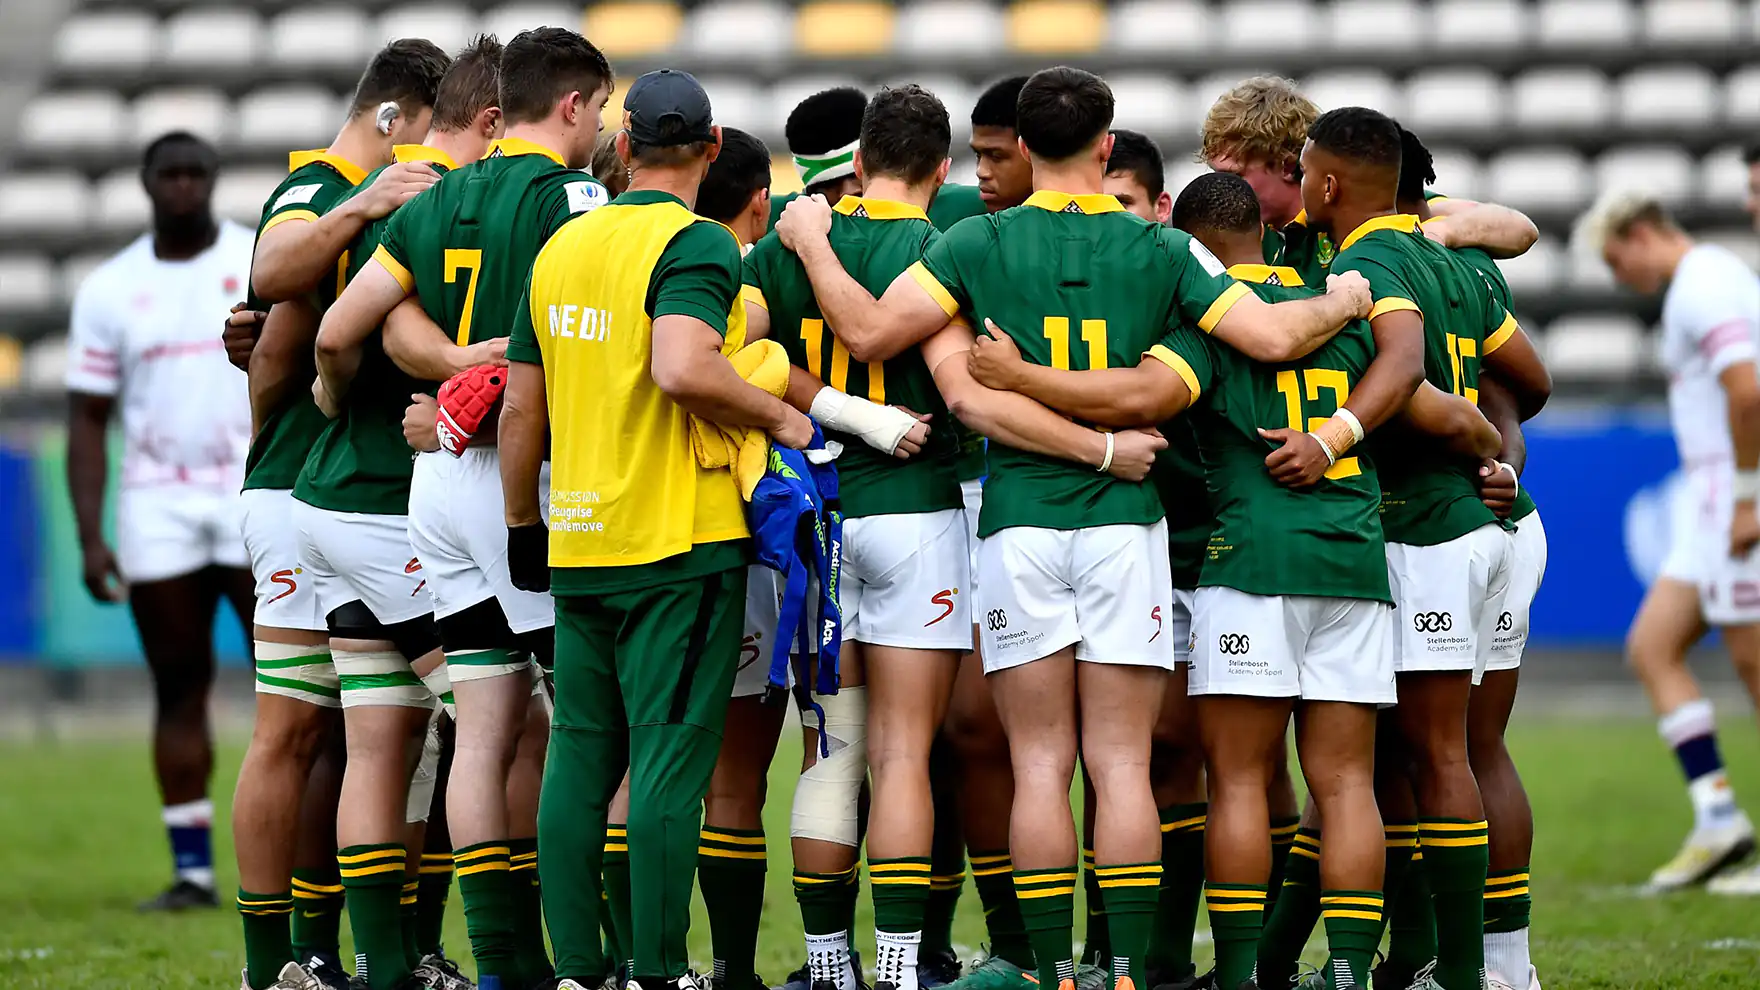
{"type": "Point", "coordinates": [387, 113]}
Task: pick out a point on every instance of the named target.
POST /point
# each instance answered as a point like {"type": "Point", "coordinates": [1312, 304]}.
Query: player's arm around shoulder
{"type": "Point", "coordinates": [1156, 389]}
{"type": "Point", "coordinates": [293, 255]}
{"type": "Point", "coordinates": [1510, 356]}
{"type": "Point", "coordinates": [1497, 230]}
{"type": "Point", "coordinates": [1268, 332]}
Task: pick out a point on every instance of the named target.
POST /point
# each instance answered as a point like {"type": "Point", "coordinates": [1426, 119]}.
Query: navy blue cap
{"type": "Point", "coordinates": [668, 107]}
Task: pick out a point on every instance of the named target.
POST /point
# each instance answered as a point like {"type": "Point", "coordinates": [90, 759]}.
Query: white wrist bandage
{"type": "Point", "coordinates": [1331, 455]}
{"type": "Point", "coordinates": [1746, 486]}
{"type": "Point", "coordinates": [1111, 446]}
{"type": "Point", "coordinates": [1356, 425]}
{"type": "Point", "coordinates": [881, 427]}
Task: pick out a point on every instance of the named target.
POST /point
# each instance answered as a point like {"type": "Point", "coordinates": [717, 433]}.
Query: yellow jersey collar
{"type": "Point", "coordinates": [878, 209]}
{"type": "Point", "coordinates": [1299, 220]}
{"type": "Point", "coordinates": [1088, 203]}
{"type": "Point", "coordinates": [345, 168]}
{"type": "Point", "coordinates": [422, 153]}
{"type": "Point", "coordinates": [508, 147]}
{"type": "Point", "coordinates": [1266, 274]}
{"type": "Point", "coordinates": [1404, 222]}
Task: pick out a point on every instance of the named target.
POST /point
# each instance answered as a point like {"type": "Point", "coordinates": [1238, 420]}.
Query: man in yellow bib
{"type": "Point", "coordinates": [621, 343]}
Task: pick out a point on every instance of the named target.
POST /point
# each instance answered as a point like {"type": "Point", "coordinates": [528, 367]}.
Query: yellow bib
{"type": "Point", "coordinates": [625, 486]}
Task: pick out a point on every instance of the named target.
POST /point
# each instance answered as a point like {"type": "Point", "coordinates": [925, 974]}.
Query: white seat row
{"type": "Point", "coordinates": [205, 37]}
{"type": "Point", "coordinates": [1445, 102]}
{"type": "Point", "coordinates": [65, 204]}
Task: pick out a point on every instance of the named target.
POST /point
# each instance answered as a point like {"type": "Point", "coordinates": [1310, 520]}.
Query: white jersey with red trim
{"type": "Point", "coordinates": [147, 331]}
{"type": "Point", "coordinates": [1710, 321]}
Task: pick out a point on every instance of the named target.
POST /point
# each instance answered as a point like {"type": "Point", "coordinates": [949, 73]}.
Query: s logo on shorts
{"type": "Point", "coordinates": [285, 578]}
{"type": "Point", "coordinates": [943, 598]}
{"type": "Point", "coordinates": [1233, 643]}
{"type": "Point", "coordinates": [1433, 621]}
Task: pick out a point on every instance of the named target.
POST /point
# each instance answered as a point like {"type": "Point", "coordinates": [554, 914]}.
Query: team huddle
{"type": "Point", "coordinates": [1129, 478]}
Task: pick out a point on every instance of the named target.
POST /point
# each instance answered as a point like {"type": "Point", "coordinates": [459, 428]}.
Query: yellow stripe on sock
{"type": "Point", "coordinates": [374, 870]}
{"type": "Point", "coordinates": [531, 857]}
{"type": "Point", "coordinates": [1506, 878]}
{"type": "Point", "coordinates": [1113, 871]}
{"type": "Point", "coordinates": [1029, 879]}
{"type": "Point", "coordinates": [1393, 843]}
{"type": "Point", "coordinates": [266, 912]}
{"type": "Point", "coordinates": [1131, 882]}
{"type": "Point", "coordinates": [1236, 895]}
{"type": "Point", "coordinates": [709, 835]}
{"type": "Point", "coordinates": [1301, 850]}
{"type": "Point", "coordinates": [711, 851]}
{"type": "Point", "coordinates": [922, 868]}
{"type": "Point", "coordinates": [1360, 915]}
{"type": "Point", "coordinates": [436, 870]}
{"type": "Point", "coordinates": [1400, 828]}
{"type": "Point", "coordinates": [368, 857]}
{"type": "Point", "coordinates": [477, 854]}
{"type": "Point", "coordinates": [320, 888]}
{"type": "Point", "coordinates": [436, 857]}
{"type": "Point", "coordinates": [616, 847]}
{"type": "Point", "coordinates": [990, 871]}
{"type": "Point", "coordinates": [1472, 840]}
{"type": "Point", "coordinates": [1045, 892]}
{"type": "Point", "coordinates": [486, 867]}
{"type": "Point", "coordinates": [1236, 907]}
{"type": "Point", "coordinates": [1447, 827]}
{"type": "Point", "coordinates": [989, 860]}
{"type": "Point", "coordinates": [907, 881]}
{"type": "Point", "coordinates": [838, 878]}
{"type": "Point", "coordinates": [1492, 895]}
{"type": "Point", "coordinates": [1184, 823]}
{"type": "Point", "coordinates": [271, 902]}
{"type": "Point", "coordinates": [1282, 830]}
{"type": "Point", "coordinates": [1348, 899]}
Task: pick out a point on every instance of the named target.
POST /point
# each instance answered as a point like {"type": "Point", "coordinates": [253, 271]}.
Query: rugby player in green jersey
{"type": "Point", "coordinates": [906, 582]}
{"type": "Point", "coordinates": [299, 242]}
{"type": "Point", "coordinates": [352, 503]}
{"type": "Point", "coordinates": [1037, 619]}
{"type": "Point", "coordinates": [1447, 552]}
{"type": "Point", "coordinates": [1332, 654]}
{"type": "Point", "coordinates": [1256, 130]}
{"type": "Point", "coordinates": [1507, 813]}
{"type": "Point", "coordinates": [1136, 177]}
{"type": "Point", "coordinates": [463, 252]}
{"type": "Point", "coordinates": [822, 131]}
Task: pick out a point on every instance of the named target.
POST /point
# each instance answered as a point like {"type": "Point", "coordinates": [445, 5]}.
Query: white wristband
{"type": "Point", "coordinates": [1351, 420]}
{"type": "Point", "coordinates": [880, 427]}
{"type": "Point", "coordinates": [1746, 486]}
{"type": "Point", "coordinates": [1515, 480]}
{"type": "Point", "coordinates": [1106, 462]}
{"type": "Point", "coordinates": [1331, 456]}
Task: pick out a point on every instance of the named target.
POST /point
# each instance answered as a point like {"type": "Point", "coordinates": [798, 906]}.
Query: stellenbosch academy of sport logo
{"type": "Point", "coordinates": [1429, 622]}
{"type": "Point", "coordinates": [1234, 644]}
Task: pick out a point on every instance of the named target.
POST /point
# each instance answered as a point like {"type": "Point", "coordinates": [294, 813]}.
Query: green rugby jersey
{"type": "Point", "coordinates": [1269, 539]}
{"type": "Point", "coordinates": [877, 240]}
{"type": "Point", "coordinates": [954, 202]}
{"type": "Point", "coordinates": [1300, 246]}
{"type": "Point", "coordinates": [316, 181]}
{"type": "Point", "coordinates": [1429, 495]}
{"type": "Point", "coordinates": [1499, 286]}
{"type": "Point", "coordinates": [466, 246]}
{"type": "Point", "coordinates": [1078, 283]}
{"type": "Point", "coordinates": [1178, 475]}
{"type": "Point", "coordinates": [361, 462]}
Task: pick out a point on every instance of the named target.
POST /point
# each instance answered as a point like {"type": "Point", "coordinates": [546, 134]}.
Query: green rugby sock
{"type": "Point", "coordinates": [528, 913]}
{"type": "Point", "coordinates": [409, 917]}
{"type": "Point", "coordinates": [947, 878]}
{"type": "Point", "coordinates": [1507, 901]}
{"type": "Point", "coordinates": [1096, 937]}
{"type": "Point", "coordinates": [372, 878]}
{"type": "Point", "coordinates": [1182, 887]}
{"type": "Point", "coordinates": [1456, 858]}
{"type": "Point", "coordinates": [1130, 891]}
{"type": "Point", "coordinates": [1353, 931]}
{"type": "Point", "coordinates": [433, 891]}
{"type": "Point", "coordinates": [1283, 836]}
{"type": "Point", "coordinates": [1048, 909]}
{"type": "Point", "coordinates": [1237, 916]}
{"type": "Point", "coordinates": [317, 914]}
{"type": "Point", "coordinates": [267, 946]}
{"type": "Point", "coordinates": [485, 884]}
{"type": "Point", "coordinates": [993, 874]}
{"type": "Point", "coordinates": [730, 873]}
{"type": "Point", "coordinates": [1411, 920]}
{"type": "Point", "coordinates": [615, 871]}
{"type": "Point", "coordinates": [1286, 929]}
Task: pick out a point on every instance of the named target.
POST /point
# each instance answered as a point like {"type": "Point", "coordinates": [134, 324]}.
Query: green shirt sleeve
{"type": "Point", "coordinates": [394, 244]}
{"type": "Point", "coordinates": [1203, 290]}
{"type": "Point", "coordinates": [758, 267]}
{"type": "Point", "coordinates": [522, 343]}
{"type": "Point", "coordinates": [1188, 353]}
{"type": "Point", "coordinates": [698, 275]}
{"type": "Point", "coordinates": [1388, 286]}
{"type": "Point", "coordinates": [951, 258]}
{"type": "Point", "coordinates": [307, 194]}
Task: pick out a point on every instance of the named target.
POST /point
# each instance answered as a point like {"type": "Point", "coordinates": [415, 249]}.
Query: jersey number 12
{"type": "Point", "coordinates": [1312, 381]}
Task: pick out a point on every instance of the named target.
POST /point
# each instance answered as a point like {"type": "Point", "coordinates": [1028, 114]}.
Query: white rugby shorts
{"type": "Point", "coordinates": [763, 607]}
{"type": "Point", "coordinates": [1108, 590]}
{"type": "Point", "coordinates": [1729, 589]}
{"type": "Point", "coordinates": [1448, 598]}
{"type": "Point", "coordinates": [357, 556]}
{"type": "Point", "coordinates": [1179, 624]}
{"type": "Point", "coordinates": [1527, 568]}
{"type": "Point", "coordinates": [971, 491]}
{"type": "Point", "coordinates": [458, 530]}
{"type": "Point", "coordinates": [286, 595]}
{"type": "Point", "coordinates": [1292, 646]}
{"type": "Point", "coordinates": [906, 581]}
{"type": "Point", "coordinates": [171, 530]}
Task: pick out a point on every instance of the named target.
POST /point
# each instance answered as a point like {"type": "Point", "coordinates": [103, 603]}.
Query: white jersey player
{"type": "Point", "coordinates": [1710, 346]}
{"type": "Point", "coordinates": [143, 339]}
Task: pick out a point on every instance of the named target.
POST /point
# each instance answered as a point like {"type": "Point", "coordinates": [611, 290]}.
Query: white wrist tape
{"type": "Point", "coordinates": [1331, 455]}
{"type": "Point", "coordinates": [1746, 486]}
{"type": "Point", "coordinates": [1111, 447]}
{"type": "Point", "coordinates": [880, 427]}
{"type": "Point", "coordinates": [1515, 481]}
{"type": "Point", "coordinates": [1351, 420]}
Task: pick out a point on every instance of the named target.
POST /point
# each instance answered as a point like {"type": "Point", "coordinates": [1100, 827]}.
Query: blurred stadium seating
{"type": "Point", "coordinates": [1535, 104]}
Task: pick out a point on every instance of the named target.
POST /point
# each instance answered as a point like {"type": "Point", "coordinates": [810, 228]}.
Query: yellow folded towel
{"type": "Point", "coordinates": [743, 449]}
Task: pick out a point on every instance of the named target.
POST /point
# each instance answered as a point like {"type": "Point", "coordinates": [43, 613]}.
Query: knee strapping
{"type": "Point", "coordinates": [302, 672]}
{"type": "Point", "coordinates": [379, 677]}
{"type": "Point", "coordinates": [439, 683]}
{"type": "Point", "coordinates": [826, 798]}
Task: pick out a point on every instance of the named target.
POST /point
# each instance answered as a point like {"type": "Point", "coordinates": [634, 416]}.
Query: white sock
{"type": "Point", "coordinates": [1714, 803]}
{"type": "Point", "coordinates": [1685, 730]}
{"type": "Point", "coordinates": [190, 814]}
{"type": "Point", "coordinates": [189, 824]}
{"type": "Point", "coordinates": [895, 959]}
{"type": "Point", "coordinates": [1506, 957]}
{"type": "Point", "coordinates": [828, 960]}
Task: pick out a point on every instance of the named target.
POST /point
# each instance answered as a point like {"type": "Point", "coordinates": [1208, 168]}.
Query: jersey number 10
{"type": "Point", "coordinates": [1313, 381]}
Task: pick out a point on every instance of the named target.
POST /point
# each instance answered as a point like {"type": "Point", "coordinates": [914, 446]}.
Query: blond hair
{"type": "Point", "coordinates": [1262, 119]}
{"type": "Point", "coordinates": [1614, 215]}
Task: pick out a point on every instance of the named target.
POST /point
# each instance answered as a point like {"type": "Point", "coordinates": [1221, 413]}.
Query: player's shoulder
{"type": "Point", "coordinates": [1710, 265]}
{"type": "Point", "coordinates": [572, 186]}
{"type": "Point", "coordinates": [132, 263]}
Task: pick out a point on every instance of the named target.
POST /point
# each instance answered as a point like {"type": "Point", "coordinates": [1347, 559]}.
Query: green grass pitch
{"type": "Point", "coordinates": [80, 843]}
